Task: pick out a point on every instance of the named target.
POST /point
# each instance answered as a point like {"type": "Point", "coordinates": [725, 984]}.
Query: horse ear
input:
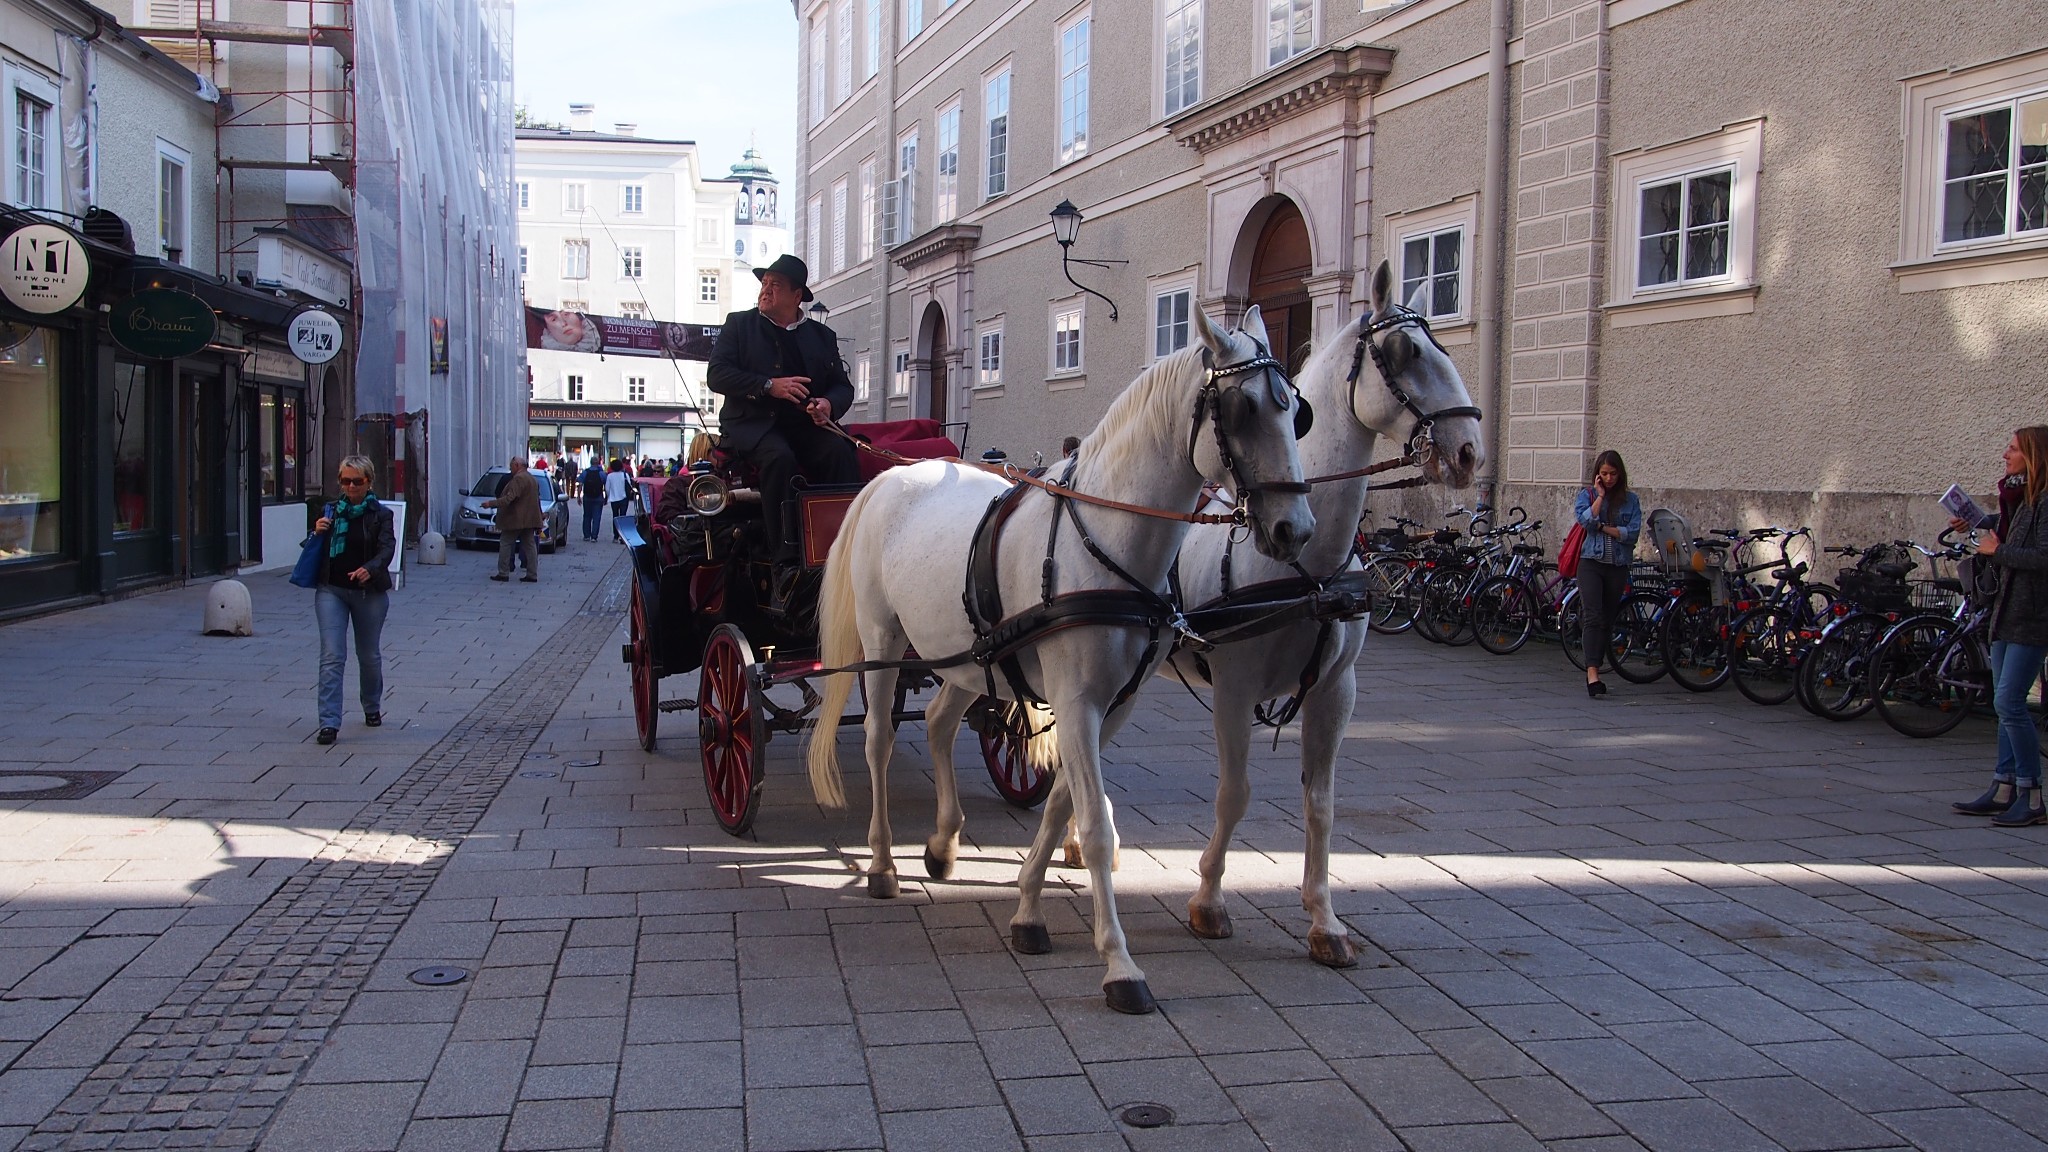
{"type": "Point", "coordinates": [1254, 326]}
{"type": "Point", "coordinates": [1213, 336]}
{"type": "Point", "coordinates": [1419, 299]}
{"type": "Point", "coordinates": [1382, 287]}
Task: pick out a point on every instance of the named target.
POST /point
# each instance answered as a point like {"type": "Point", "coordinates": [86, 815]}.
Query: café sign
{"type": "Point", "coordinates": [284, 263]}
{"type": "Point", "coordinates": [162, 323]}
{"type": "Point", "coordinates": [43, 268]}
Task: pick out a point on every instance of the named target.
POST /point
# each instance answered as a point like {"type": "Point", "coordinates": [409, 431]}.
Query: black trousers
{"type": "Point", "coordinates": [821, 455]}
{"type": "Point", "coordinates": [1600, 587]}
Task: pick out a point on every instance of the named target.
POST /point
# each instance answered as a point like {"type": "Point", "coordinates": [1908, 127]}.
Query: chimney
{"type": "Point", "coordinates": [624, 129]}
{"type": "Point", "coordinates": [583, 117]}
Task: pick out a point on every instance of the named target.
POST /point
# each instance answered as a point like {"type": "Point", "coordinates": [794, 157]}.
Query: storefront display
{"type": "Point", "coordinates": [134, 470]}
{"type": "Point", "coordinates": [31, 450]}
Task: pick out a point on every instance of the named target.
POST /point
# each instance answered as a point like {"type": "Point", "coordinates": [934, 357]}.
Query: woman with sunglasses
{"type": "Point", "coordinates": [354, 592]}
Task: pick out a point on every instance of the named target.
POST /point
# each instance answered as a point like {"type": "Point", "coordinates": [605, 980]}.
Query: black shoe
{"type": "Point", "coordinates": [1595, 688]}
{"type": "Point", "coordinates": [373, 719]}
{"type": "Point", "coordinates": [499, 576]}
{"type": "Point", "coordinates": [529, 579]}
{"type": "Point", "coordinates": [2026, 810]}
{"type": "Point", "coordinates": [327, 736]}
{"type": "Point", "coordinates": [1995, 799]}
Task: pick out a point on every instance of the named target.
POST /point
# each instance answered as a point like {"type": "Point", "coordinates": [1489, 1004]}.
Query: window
{"type": "Point", "coordinates": [839, 225]}
{"type": "Point", "coordinates": [1434, 263]}
{"type": "Point", "coordinates": [572, 304]}
{"type": "Point", "coordinates": [899, 376]}
{"type": "Point", "coordinates": [522, 259]}
{"type": "Point", "coordinates": [842, 61]}
{"type": "Point", "coordinates": [707, 231]}
{"type": "Point", "coordinates": [523, 193]}
{"type": "Point", "coordinates": [135, 461]}
{"type": "Point", "coordinates": [990, 369]}
{"type": "Point", "coordinates": [1685, 227]}
{"type": "Point", "coordinates": [634, 310]}
{"type": "Point", "coordinates": [632, 261]}
{"type": "Point", "coordinates": [913, 19]}
{"type": "Point", "coordinates": [872, 60]}
{"type": "Point", "coordinates": [632, 198]}
{"type": "Point", "coordinates": [1183, 43]}
{"type": "Point", "coordinates": [899, 196]}
{"type": "Point", "coordinates": [946, 173]}
{"type": "Point", "coordinates": [173, 203]}
{"type": "Point", "coordinates": [1073, 61]}
{"type": "Point", "coordinates": [33, 440]}
{"type": "Point", "coordinates": [1995, 183]}
{"type": "Point", "coordinates": [636, 389]}
{"type": "Point", "coordinates": [575, 196]}
{"type": "Point", "coordinates": [863, 379]}
{"type": "Point", "coordinates": [707, 287]}
{"type": "Point", "coordinates": [867, 209]}
{"type": "Point", "coordinates": [995, 104]}
{"type": "Point", "coordinates": [32, 150]}
{"type": "Point", "coordinates": [279, 446]}
{"type": "Point", "coordinates": [1170, 312]}
{"type": "Point", "coordinates": [575, 259]}
{"type": "Point", "coordinates": [818, 33]}
{"type": "Point", "coordinates": [573, 386]}
{"type": "Point", "coordinates": [1290, 29]}
{"type": "Point", "coordinates": [1066, 338]}
{"type": "Point", "coordinates": [814, 220]}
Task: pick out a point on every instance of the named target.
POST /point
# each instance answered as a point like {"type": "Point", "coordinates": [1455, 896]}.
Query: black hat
{"type": "Point", "coordinates": [791, 269]}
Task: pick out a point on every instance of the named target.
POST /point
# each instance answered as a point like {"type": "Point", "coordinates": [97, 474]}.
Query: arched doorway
{"type": "Point", "coordinates": [1280, 263]}
{"type": "Point", "coordinates": [931, 364]}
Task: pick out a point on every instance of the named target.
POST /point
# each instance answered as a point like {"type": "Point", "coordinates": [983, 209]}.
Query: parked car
{"type": "Point", "coordinates": [476, 525]}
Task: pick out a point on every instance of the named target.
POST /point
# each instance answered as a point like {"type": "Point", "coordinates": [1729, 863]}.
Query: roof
{"type": "Point", "coordinates": [593, 137]}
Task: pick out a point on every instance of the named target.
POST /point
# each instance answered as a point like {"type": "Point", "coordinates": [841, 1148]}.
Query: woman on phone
{"type": "Point", "coordinates": [1613, 519]}
{"type": "Point", "coordinates": [2018, 551]}
{"type": "Point", "coordinates": [354, 594]}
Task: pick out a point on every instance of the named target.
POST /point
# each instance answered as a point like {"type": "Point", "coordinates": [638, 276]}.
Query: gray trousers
{"type": "Point", "coordinates": [529, 548]}
{"type": "Point", "coordinates": [1600, 588]}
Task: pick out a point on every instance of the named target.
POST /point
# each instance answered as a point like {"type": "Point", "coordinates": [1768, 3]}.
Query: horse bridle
{"type": "Point", "coordinates": [1209, 406]}
{"type": "Point", "coordinates": [1421, 441]}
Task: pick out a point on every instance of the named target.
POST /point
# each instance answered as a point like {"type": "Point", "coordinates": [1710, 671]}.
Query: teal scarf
{"type": "Point", "coordinates": [346, 513]}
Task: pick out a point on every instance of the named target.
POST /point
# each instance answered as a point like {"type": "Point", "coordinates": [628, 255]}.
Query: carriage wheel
{"type": "Point", "coordinates": [732, 729]}
{"type": "Point", "coordinates": [646, 680]}
{"type": "Point", "coordinates": [1022, 785]}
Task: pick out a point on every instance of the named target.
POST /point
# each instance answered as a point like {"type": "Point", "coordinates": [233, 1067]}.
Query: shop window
{"type": "Point", "coordinates": [31, 449]}
{"type": "Point", "coordinates": [134, 462]}
{"type": "Point", "coordinates": [290, 404]}
{"type": "Point", "coordinates": [266, 443]}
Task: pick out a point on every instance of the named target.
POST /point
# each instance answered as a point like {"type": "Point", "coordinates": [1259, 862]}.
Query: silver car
{"type": "Point", "coordinates": [476, 525]}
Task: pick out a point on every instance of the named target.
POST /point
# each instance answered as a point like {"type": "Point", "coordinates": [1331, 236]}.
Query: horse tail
{"type": "Point", "coordinates": [838, 644]}
{"type": "Point", "coordinates": [1042, 746]}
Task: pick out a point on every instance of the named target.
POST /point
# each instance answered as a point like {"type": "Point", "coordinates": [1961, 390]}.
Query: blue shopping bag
{"type": "Point", "coordinates": [306, 573]}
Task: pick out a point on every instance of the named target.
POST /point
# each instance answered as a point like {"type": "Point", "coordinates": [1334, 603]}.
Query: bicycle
{"type": "Point", "coordinates": [1929, 672]}
{"type": "Point", "coordinates": [1695, 629]}
{"type": "Point", "coordinates": [1765, 642]}
{"type": "Point", "coordinates": [1833, 677]}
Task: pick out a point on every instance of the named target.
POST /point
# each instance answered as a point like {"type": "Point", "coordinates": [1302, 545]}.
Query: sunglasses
{"type": "Point", "coordinates": [345, 482]}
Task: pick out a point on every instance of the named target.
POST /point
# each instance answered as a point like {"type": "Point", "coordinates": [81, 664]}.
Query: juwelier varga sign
{"type": "Point", "coordinates": [162, 323]}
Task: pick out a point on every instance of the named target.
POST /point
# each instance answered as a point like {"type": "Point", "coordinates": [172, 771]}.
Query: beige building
{"type": "Point", "coordinates": [1802, 281]}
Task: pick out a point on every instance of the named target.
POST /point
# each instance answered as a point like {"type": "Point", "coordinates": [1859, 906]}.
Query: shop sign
{"type": "Point", "coordinates": [163, 323]}
{"type": "Point", "coordinates": [284, 263]}
{"type": "Point", "coordinates": [43, 268]}
{"type": "Point", "coordinates": [314, 336]}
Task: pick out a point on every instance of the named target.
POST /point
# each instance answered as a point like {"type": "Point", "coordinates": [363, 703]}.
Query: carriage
{"type": "Point", "coordinates": [707, 599]}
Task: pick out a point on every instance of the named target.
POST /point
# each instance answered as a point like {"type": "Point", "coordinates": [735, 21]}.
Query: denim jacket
{"type": "Point", "coordinates": [1599, 545]}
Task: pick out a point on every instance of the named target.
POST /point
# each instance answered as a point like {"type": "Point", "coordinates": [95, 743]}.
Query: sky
{"type": "Point", "coordinates": [720, 72]}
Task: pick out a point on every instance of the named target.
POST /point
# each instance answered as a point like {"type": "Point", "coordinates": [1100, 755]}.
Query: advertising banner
{"type": "Point", "coordinates": [617, 335]}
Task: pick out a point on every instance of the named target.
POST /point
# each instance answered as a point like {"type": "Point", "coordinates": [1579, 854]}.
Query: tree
{"type": "Point", "coordinates": [521, 118]}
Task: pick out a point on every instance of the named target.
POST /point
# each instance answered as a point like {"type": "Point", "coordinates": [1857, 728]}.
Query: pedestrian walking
{"type": "Point", "coordinates": [592, 485]}
{"type": "Point", "coordinates": [618, 488]}
{"type": "Point", "coordinates": [518, 505]}
{"type": "Point", "coordinates": [2017, 551]}
{"type": "Point", "coordinates": [1612, 518]}
{"type": "Point", "coordinates": [354, 592]}
{"type": "Point", "coordinates": [565, 476]}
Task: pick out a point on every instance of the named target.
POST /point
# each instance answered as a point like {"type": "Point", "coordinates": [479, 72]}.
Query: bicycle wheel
{"type": "Point", "coordinates": [1640, 653]}
{"type": "Point", "coordinates": [1503, 615]}
{"type": "Point", "coordinates": [1834, 678]}
{"type": "Point", "coordinates": [1391, 583]}
{"type": "Point", "coordinates": [1924, 681]}
{"type": "Point", "coordinates": [1569, 630]}
{"type": "Point", "coordinates": [1694, 641]}
{"type": "Point", "coordinates": [1762, 654]}
{"type": "Point", "coordinates": [1443, 602]}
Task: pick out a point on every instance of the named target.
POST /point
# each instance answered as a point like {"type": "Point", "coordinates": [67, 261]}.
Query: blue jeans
{"type": "Point", "coordinates": [337, 609]}
{"type": "Point", "coordinates": [593, 517]}
{"type": "Point", "coordinates": [2013, 669]}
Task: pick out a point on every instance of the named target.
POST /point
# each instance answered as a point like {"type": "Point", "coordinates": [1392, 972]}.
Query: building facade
{"type": "Point", "coordinates": [1797, 283]}
{"type": "Point", "coordinates": [617, 224]}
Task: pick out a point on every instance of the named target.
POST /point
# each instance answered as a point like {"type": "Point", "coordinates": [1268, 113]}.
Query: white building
{"type": "Point", "coordinates": [618, 224]}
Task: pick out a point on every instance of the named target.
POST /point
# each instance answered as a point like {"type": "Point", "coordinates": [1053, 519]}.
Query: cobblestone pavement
{"type": "Point", "coordinates": [1654, 921]}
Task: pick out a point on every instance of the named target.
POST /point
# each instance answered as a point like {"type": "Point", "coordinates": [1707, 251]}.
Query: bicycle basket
{"type": "Point", "coordinates": [1875, 591]}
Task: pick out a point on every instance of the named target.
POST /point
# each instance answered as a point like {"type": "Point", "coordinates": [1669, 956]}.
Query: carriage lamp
{"type": "Point", "coordinates": [1066, 228]}
{"type": "Point", "coordinates": [708, 495]}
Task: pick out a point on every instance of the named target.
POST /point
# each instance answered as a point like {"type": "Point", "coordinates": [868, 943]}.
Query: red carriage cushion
{"type": "Point", "coordinates": [919, 439]}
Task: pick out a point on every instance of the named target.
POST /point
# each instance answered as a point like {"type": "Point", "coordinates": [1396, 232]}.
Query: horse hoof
{"type": "Point", "coordinates": [1070, 857]}
{"type": "Point", "coordinates": [1331, 951]}
{"type": "Point", "coordinates": [1209, 923]}
{"type": "Point", "coordinates": [936, 866]}
{"type": "Point", "coordinates": [883, 886]}
{"type": "Point", "coordinates": [1130, 997]}
{"type": "Point", "coordinates": [1030, 939]}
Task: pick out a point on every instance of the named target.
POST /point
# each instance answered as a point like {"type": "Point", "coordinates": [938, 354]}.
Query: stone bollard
{"type": "Point", "coordinates": [433, 548]}
{"type": "Point", "coordinates": [228, 610]}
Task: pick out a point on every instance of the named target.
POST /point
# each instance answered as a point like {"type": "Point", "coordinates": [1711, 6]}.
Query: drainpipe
{"type": "Point", "coordinates": [1493, 271]}
{"type": "Point", "coordinates": [885, 163]}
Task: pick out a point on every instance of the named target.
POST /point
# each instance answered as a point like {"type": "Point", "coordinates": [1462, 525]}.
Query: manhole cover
{"type": "Point", "coordinates": [52, 784]}
{"type": "Point", "coordinates": [1147, 1116]}
{"type": "Point", "coordinates": [31, 783]}
{"type": "Point", "coordinates": [591, 763]}
{"type": "Point", "coordinates": [540, 755]}
{"type": "Point", "coordinates": [440, 974]}
{"type": "Point", "coordinates": [538, 775]}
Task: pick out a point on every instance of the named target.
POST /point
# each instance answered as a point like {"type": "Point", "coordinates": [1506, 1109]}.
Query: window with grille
{"type": "Point", "coordinates": [632, 262]}
{"type": "Point", "coordinates": [575, 259]}
{"type": "Point", "coordinates": [1682, 230]}
{"type": "Point", "coordinates": [1434, 262]}
{"type": "Point", "coordinates": [636, 389]}
{"type": "Point", "coordinates": [632, 198]}
{"type": "Point", "coordinates": [1290, 29]}
{"type": "Point", "coordinates": [1182, 35]}
{"type": "Point", "coordinates": [995, 105]}
{"type": "Point", "coordinates": [707, 287]}
{"type": "Point", "coordinates": [1995, 181]}
{"type": "Point", "coordinates": [1073, 78]}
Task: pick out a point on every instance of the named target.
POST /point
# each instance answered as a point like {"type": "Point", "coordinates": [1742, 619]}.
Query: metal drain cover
{"type": "Point", "coordinates": [440, 974]}
{"type": "Point", "coordinates": [540, 755]}
{"type": "Point", "coordinates": [592, 763]}
{"type": "Point", "coordinates": [1147, 1116]}
{"type": "Point", "coordinates": [538, 775]}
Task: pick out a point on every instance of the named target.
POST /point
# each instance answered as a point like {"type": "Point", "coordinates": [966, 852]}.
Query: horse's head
{"type": "Point", "coordinates": [1251, 409]}
{"type": "Point", "coordinates": [1406, 387]}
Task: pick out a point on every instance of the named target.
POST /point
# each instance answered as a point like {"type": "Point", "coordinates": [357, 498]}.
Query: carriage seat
{"type": "Point", "coordinates": [919, 439]}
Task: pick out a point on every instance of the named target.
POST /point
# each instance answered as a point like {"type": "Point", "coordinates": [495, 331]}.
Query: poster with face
{"type": "Point", "coordinates": [559, 331]}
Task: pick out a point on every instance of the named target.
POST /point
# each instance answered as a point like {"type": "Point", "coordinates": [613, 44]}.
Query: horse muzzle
{"type": "Point", "coordinates": [1283, 537]}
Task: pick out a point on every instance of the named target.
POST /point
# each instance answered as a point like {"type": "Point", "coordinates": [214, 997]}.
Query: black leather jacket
{"type": "Point", "coordinates": [2020, 614]}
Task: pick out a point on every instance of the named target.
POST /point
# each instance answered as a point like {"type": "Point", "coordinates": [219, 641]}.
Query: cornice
{"type": "Point", "coordinates": [1343, 73]}
{"type": "Point", "coordinates": [945, 240]}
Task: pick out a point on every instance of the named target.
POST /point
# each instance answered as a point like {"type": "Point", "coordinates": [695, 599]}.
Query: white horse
{"type": "Point", "coordinates": [1219, 410]}
{"type": "Point", "coordinates": [1398, 383]}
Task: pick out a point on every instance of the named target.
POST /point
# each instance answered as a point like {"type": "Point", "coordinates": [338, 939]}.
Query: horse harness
{"type": "Point", "coordinates": [1421, 441]}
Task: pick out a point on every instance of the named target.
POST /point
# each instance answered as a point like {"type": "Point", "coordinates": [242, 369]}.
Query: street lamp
{"type": "Point", "coordinates": [1066, 228]}
{"type": "Point", "coordinates": [819, 311]}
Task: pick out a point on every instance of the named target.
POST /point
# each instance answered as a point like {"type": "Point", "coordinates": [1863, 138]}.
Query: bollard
{"type": "Point", "coordinates": [433, 548]}
{"type": "Point", "coordinates": [228, 610]}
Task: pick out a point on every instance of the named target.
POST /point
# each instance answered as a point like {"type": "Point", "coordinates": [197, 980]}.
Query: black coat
{"type": "Point", "coordinates": [2020, 615]}
{"type": "Point", "coordinates": [379, 543]}
{"type": "Point", "coordinates": [746, 357]}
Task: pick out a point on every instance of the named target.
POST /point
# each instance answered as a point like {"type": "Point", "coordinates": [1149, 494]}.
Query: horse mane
{"type": "Point", "coordinates": [1112, 448]}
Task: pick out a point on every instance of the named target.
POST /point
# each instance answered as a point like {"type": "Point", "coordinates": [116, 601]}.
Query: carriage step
{"type": "Point", "coordinates": [685, 705]}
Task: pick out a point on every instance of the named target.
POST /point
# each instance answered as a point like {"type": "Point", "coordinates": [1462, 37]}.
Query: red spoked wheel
{"type": "Point", "coordinates": [1016, 780]}
{"type": "Point", "coordinates": [646, 677]}
{"type": "Point", "coordinates": [732, 729]}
